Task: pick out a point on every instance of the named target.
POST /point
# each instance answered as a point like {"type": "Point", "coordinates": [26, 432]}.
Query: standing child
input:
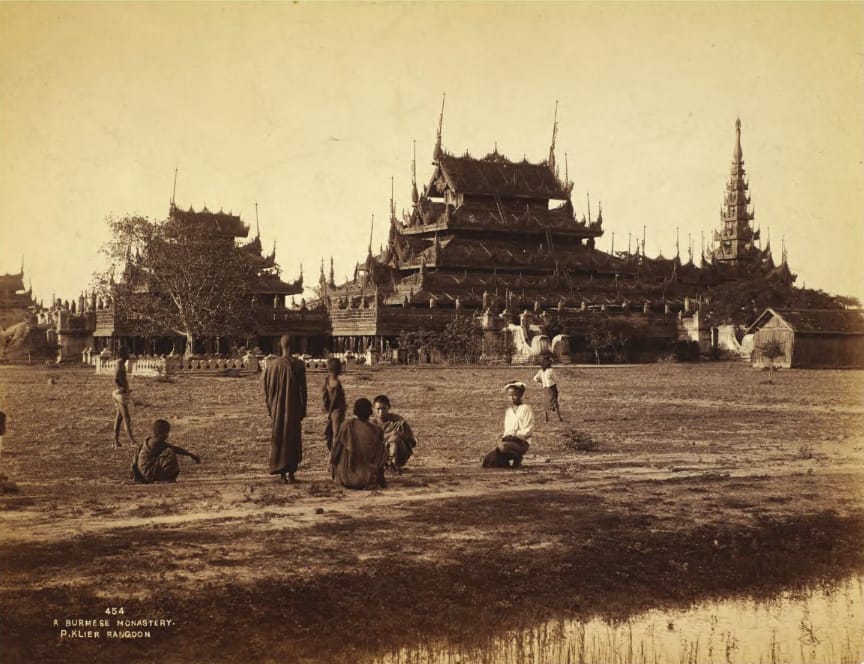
{"type": "Point", "coordinates": [547, 378]}
{"type": "Point", "coordinates": [334, 401]}
{"type": "Point", "coordinates": [122, 399]}
{"type": "Point", "coordinates": [156, 459]}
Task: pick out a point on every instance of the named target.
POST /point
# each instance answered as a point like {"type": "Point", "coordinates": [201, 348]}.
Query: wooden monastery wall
{"type": "Point", "coordinates": [828, 351]}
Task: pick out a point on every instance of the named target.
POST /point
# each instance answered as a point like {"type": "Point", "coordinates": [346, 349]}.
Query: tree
{"type": "Point", "coordinates": [410, 341]}
{"type": "Point", "coordinates": [460, 339]}
{"type": "Point", "coordinates": [177, 278]}
{"type": "Point", "coordinates": [604, 336]}
{"type": "Point", "coordinates": [771, 350]}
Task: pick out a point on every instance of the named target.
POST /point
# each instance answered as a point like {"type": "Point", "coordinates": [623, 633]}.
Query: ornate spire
{"type": "Point", "coordinates": [332, 281]}
{"type": "Point", "coordinates": [567, 184]}
{"type": "Point", "coordinates": [414, 195]}
{"type": "Point", "coordinates": [436, 155]}
{"type": "Point", "coordinates": [738, 154]}
{"type": "Point", "coordinates": [735, 239]}
{"type": "Point", "coordinates": [392, 203]}
{"type": "Point", "coordinates": [551, 161]}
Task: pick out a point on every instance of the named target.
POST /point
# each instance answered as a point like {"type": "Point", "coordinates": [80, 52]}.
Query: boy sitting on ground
{"type": "Point", "coordinates": [156, 459]}
{"type": "Point", "coordinates": [398, 437]}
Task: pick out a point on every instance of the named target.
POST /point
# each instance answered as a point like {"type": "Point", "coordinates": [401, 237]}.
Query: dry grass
{"type": "Point", "coordinates": [685, 494]}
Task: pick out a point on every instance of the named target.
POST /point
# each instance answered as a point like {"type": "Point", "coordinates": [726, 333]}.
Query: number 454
{"type": "Point", "coordinates": [115, 611]}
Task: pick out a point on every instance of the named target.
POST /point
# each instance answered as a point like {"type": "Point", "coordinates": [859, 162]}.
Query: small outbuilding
{"type": "Point", "coordinates": [810, 338]}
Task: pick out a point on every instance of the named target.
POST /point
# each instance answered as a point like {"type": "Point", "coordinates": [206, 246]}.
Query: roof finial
{"type": "Point", "coordinates": [437, 154]}
{"type": "Point", "coordinates": [371, 228]}
{"type": "Point", "coordinates": [414, 195]}
{"type": "Point", "coordinates": [738, 154]}
{"type": "Point", "coordinates": [677, 246]}
{"type": "Point", "coordinates": [257, 227]}
{"type": "Point", "coordinates": [392, 204]}
{"type": "Point", "coordinates": [588, 198]}
{"type": "Point", "coordinates": [554, 136]}
{"type": "Point", "coordinates": [174, 190]}
{"type": "Point", "coordinates": [566, 171]}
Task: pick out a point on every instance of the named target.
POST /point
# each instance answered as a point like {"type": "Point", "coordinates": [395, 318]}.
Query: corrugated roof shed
{"type": "Point", "coordinates": [815, 321]}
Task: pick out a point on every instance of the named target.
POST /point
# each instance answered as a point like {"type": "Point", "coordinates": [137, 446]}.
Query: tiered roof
{"type": "Point", "coordinates": [736, 237]}
{"type": "Point", "coordinates": [495, 175]}
{"type": "Point", "coordinates": [492, 227]}
{"type": "Point", "coordinates": [216, 223]}
{"type": "Point", "coordinates": [11, 283]}
{"type": "Point", "coordinates": [229, 225]}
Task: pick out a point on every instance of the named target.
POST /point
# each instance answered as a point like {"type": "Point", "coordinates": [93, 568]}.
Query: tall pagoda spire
{"type": "Point", "coordinates": [735, 238]}
{"type": "Point", "coordinates": [551, 160]}
{"type": "Point", "coordinates": [414, 195]}
{"type": "Point", "coordinates": [436, 155]}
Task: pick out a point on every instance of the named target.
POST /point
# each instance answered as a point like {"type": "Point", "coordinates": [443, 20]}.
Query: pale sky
{"type": "Point", "coordinates": [310, 109]}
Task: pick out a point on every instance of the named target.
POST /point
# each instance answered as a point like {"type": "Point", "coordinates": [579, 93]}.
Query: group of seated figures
{"type": "Point", "coordinates": [362, 447]}
{"type": "Point", "coordinates": [375, 439]}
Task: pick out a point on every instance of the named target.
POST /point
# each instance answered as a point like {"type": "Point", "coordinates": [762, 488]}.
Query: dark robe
{"type": "Point", "coordinates": [398, 439]}
{"type": "Point", "coordinates": [285, 392]}
{"type": "Point", "coordinates": [358, 456]}
{"type": "Point", "coordinates": [154, 462]}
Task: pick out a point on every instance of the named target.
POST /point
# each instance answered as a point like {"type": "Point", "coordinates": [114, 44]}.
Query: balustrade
{"type": "Point", "coordinates": [158, 365]}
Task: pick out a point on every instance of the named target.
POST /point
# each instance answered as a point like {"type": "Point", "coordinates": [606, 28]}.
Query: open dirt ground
{"type": "Point", "coordinates": [704, 481]}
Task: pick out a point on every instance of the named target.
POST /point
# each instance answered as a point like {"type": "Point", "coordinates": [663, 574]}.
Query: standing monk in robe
{"type": "Point", "coordinates": [285, 392]}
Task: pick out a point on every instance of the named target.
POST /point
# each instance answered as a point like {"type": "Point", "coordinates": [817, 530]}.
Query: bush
{"type": "Point", "coordinates": [580, 441]}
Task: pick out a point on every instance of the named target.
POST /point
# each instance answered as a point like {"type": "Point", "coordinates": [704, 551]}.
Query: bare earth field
{"type": "Point", "coordinates": [705, 481]}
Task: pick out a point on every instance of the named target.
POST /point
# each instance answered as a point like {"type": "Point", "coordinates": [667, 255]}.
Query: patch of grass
{"type": "Point", "coordinates": [323, 489]}
{"type": "Point", "coordinates": [580, 441]}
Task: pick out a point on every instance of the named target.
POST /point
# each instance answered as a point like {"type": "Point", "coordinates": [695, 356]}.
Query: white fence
{"type": "Point", "coordinates": [159, 365]}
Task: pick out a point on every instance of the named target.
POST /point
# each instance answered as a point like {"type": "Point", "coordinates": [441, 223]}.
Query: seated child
{"type": "Point", "coordinates": [156, 459]}
{"type": "Point", "coordinates": [518, 427]}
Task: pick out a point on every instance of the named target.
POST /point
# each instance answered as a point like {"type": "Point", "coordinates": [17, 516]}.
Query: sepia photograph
{"type": "Point", "coordinates": [432, 332]}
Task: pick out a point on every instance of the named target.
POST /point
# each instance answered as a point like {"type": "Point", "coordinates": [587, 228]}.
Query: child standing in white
{"type": "Point", "coordinates": [547, 378]}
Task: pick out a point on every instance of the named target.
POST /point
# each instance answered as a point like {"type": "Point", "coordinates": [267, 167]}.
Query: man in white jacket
{"type": "Point", "coordinates": [518, 427]}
